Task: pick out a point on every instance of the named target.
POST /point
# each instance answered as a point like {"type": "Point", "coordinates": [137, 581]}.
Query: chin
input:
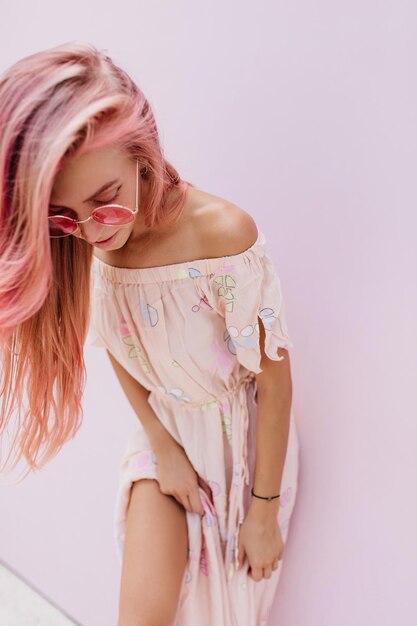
{"type": "Point", "coordinates": [119, 242]}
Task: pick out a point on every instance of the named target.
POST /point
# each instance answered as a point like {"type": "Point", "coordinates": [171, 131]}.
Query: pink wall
{"type": "Point", "coordinates": [304, 114]}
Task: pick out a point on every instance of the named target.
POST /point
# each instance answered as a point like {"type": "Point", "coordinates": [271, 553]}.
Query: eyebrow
{"type": "Point", "coordinates": [97, 193]}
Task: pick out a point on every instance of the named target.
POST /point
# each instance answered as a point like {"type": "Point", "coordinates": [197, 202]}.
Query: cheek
{"type": "Point", "coordinates": [122, 236]}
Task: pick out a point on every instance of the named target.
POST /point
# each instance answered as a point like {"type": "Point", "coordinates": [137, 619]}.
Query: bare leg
{"type": "Point", "coordinates": [154, 557]}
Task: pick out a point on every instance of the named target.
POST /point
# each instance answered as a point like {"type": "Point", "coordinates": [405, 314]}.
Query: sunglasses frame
{"type": "Point", "coordinates": [91, 217]}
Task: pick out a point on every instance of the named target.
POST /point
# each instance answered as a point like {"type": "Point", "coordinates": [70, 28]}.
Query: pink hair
{"type": "Point", "coordinates": [57, 104]}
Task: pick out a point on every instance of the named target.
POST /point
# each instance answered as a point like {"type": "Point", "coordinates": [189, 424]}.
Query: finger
{"type": "Point", "coordinates": [267, 572]}
{"type": "Point", "coordinates": [184, 501]}
{"type": "Point", "coordinates": [241, 556]}
{"type": "Point", "coordinates": [257, 573]}
{"type": "Point", "coordinates": [275, 564]}
{"type": "Point", "coordinates": [195, 500]}
{"type": "Point", "coordinates": [205, 487]}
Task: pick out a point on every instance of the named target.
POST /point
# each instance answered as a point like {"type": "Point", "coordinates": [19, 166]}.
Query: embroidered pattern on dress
{"type": "Point", "coordinates": [149, 313]}
{"type": "Point", "coordinates": [175, 393]}
{"type": "Point", "coordinates": [187, 272]}
{"type": "Point", "coordinates": [135, 351]}
{"type": "Point", "coordinates": [203, 304]}
{"type": "Point", "coordinates": [225, 284]}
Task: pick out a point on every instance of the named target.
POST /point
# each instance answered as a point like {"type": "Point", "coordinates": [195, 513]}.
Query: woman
{"type": "Point", "coordinates": [182, 293]}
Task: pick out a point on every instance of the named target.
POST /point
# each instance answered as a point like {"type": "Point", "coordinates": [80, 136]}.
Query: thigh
{"type": "Point", "coordinates": [155, 555]}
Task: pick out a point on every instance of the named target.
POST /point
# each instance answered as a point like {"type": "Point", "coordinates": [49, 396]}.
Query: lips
{"type": "Point", "coordinates": [105, 240]}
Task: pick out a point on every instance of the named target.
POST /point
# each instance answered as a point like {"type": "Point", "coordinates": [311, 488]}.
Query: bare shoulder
{"type": "Point", "coordinates": [210, 227]}
{"type": "Point", "coordinates": [225, 229]}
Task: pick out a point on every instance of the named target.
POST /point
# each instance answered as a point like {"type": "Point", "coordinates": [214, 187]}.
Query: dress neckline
{"type": "Point", "coordinates": [172, 271]}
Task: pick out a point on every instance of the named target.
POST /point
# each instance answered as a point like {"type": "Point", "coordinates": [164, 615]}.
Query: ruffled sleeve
{"type": "Point", "coordinates": [94, 338]}
{"type": "Point", "coordinates": [248, 292]}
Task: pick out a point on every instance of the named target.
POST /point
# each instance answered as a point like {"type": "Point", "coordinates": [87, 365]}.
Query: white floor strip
{"type": "Point", "coordinates": [22, 605]}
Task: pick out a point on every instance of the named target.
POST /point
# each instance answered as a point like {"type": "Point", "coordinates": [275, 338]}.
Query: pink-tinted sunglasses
{"type": "Point", "coordinates": [108, 215]}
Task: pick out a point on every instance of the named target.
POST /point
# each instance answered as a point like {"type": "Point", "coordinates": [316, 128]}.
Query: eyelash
{"type": "Point", "coordinates": [62, 212]}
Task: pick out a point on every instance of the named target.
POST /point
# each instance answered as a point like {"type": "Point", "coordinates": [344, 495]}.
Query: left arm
{"type": "Point", "coordinates": [228, 232]}
{"type": "Point", "coordinates": [232, 231]}
{"type": "Point", "coordinates": [274, 398]}
{"type": "Point", "coordinates": [260, 536]}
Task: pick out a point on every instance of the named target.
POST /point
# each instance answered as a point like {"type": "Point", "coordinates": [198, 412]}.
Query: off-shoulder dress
{"type": "Point", "coordinates": [189, 333]}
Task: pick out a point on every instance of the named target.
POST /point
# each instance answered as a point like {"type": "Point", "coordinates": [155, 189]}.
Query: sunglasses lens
{"type": "Point", "coordinates": [113, 215]}
{"type": "Point", "coordinates": [61, 226]}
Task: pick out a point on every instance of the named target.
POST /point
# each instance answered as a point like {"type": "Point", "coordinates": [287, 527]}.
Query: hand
{"type": "Point", "coordinates": [178, 478]}
{"type": "Point", "coordinates": [261, 542]}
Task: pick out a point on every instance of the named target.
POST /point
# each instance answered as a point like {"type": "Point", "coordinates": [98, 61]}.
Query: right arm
{"type": "Point", "coordinates": [137, 395]}
{"type": "Point", "coordinates": [176, 475]}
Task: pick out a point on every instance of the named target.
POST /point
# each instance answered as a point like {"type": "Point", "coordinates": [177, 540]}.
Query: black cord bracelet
{"type": "Point", "coordinates": [263, 497]}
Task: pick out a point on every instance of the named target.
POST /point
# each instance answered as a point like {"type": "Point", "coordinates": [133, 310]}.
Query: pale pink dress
{"type": "Point", "coordinates": [189, 333]}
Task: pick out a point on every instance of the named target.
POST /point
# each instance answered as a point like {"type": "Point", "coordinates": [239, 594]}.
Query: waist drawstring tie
{"type": "Point", "coordinates": [240, 478]}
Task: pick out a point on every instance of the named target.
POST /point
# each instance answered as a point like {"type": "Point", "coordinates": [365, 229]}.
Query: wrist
{"type": "Point", "coordinates": [263, 507]}
{"type": "Point", "coordinates": [265, 504]}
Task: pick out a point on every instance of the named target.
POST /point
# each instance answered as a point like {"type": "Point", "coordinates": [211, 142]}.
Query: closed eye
{"type": "Point", "coordinates": [70, 213]}
{"type": "Point", "coordinates": [108, 201]}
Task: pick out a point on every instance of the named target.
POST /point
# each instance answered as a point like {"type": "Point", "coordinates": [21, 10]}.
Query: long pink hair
{"type": "Point", "coordinates": [57, 104]}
